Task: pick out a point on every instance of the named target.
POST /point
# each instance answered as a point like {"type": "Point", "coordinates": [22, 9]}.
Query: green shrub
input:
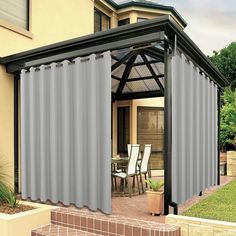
{"type": "Point", "coordinates": [7, 196]}
{"type": "Point", "coordinates": [228, 120]}
{"type": "Point", "coordinates": [155, 185]}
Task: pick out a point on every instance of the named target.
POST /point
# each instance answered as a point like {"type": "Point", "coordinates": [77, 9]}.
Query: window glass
{"type": "Point", "coordinates": [15, 12]}
{"type": "Point", "coordinates": [101, 21]}
{"type": "Point", "coordinates": [124, 22]}
{"type": "Point", "coordinates": [140, 19]}
{"type": "Point", "coordinates": [97, 21]}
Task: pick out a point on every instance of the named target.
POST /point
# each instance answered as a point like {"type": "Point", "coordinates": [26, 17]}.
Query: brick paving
{"type": "Point", "coordinates": [73, 222]}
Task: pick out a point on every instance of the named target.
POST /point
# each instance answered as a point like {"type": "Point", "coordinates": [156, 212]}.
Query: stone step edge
{"type": "Point", "coordinates": [37, 231]}
{"type": "Point", "coordinates": [90, 223]}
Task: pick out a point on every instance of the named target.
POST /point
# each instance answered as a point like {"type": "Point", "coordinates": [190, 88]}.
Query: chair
{"type": "Point", "coordinates": [129, 149]}
{"type": "Point", "coordinates": [131, 168]}
{"type": "Point", "coordinates": [143, 169]}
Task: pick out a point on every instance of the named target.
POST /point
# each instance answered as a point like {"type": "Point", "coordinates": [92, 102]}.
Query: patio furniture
{"type": "Point", "coordinates": [143, 168]}
{"type": "Point", "coordinates": [131, 168]}
{"type": "Point", "coordinates": [114, 162]}
{"type": "Point", "coordinates": [129, 146]}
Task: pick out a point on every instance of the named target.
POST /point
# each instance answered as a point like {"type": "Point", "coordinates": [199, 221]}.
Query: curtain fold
{"type": "Point", "coordinates": [65, 137]}
{"type": "Point", "coordinates": [194, 130]}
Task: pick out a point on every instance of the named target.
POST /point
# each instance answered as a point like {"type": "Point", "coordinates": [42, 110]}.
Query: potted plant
{"type": "Point", "coordinates": [155, 196]}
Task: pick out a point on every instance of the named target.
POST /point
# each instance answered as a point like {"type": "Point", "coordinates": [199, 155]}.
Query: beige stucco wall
{"type": "Point", "coordinates": [6, 122]}
{"type": "Point", "coordinates": [51, 21]}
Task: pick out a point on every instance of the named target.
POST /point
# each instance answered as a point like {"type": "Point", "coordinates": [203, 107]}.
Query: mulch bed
{"type": "Point", "coordinates": [4, 208]}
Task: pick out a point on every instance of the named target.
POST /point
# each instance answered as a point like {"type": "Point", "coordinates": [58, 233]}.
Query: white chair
{"type": "Point", "coordinates": [129, 149]}
{"type": "Point", "coordinates": [131, 168]}
{"type": "Point", "coordinates": [143, 168]}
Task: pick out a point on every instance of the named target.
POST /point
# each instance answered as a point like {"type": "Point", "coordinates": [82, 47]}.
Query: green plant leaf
{"type": "Point", "coordinates": [155, 185]}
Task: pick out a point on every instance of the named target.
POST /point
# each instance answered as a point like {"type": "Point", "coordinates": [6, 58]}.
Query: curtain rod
{"type": "Point", "coordinates": [60, 64]}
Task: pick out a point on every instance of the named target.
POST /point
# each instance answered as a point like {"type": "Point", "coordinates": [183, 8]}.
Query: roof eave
{"type": "Point", "coordinates": [165, 23]}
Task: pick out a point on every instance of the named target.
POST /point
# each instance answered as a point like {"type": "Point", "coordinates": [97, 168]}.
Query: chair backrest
{"type": "Point", "coordinates": [132, 165]}
{"type": "Point", "coordinates": [129, 149]}
{"type": "Point", "coordinates": [146, 156]}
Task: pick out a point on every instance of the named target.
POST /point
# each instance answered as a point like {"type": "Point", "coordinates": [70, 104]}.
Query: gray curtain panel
{"type": "Point", "coordinates": [66, 132]}
{"type": "Point", "coordinates": [194, 130]}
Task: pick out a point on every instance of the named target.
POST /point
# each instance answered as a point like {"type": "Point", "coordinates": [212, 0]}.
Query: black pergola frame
{"type": "Point", "coordinates": [164, 30]}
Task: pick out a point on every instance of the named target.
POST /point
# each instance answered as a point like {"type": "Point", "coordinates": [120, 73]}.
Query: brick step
{"type": "Point", "coordinates": [58, 230]}
{"type": "Point", "coordinates": [112, 225]}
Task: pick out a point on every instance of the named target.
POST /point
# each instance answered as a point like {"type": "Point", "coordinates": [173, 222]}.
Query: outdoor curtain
{"type": "Point", "coordinates": [194, 130]}
{"type": "Point", "coordinates": [66, 132]}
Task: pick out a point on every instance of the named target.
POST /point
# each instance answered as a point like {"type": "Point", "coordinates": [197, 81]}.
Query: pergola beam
{"type": "Point", "coordinates": [144, 78]}
{"type": "Point", "coordinates": [137, 95]}
{"type": "Point", "coordinates": [137, 79]}
{"type": "Point", "coordinates": [137, 63]}
{"type": "Point", "coordinates": [153, 55]}
{"type": "Point", "coordinates": [152, 72]}
{"type": "Point", "coordinates": [126, 74]}
{"type": "Point", "coordinates": [122, 60]}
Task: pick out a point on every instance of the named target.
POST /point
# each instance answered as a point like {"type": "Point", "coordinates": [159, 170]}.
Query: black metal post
{"type": "Point", "coordinates": [167, 130]}
{"type": "Point", "coordinates": [16, 134]}
{"type": "Point", "coordinates": [218, 137]}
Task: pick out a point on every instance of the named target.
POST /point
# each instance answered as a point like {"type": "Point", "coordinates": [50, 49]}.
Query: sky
{"type": "Point", "coordinates": [211, 23]}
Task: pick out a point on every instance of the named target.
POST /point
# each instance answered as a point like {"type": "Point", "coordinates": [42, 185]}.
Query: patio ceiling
{"type": "Point", "coordinates": [138, 73]}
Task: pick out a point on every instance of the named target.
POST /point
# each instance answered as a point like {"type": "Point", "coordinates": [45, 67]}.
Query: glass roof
{"type": "Point", "coordinates": [137, 71]}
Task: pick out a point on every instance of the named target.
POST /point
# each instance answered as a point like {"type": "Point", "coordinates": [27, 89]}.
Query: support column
{"type": "Point", "coordinates": [16, 135]}
{"type": "Point", "coordinates": [167, 129]}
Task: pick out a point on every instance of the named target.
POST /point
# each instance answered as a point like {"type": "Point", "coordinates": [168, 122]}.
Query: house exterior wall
{"type": "Point", "coordinates": [50, 22]}
{"type": "Point", "coordinates": [136, 12]}
{"type": "Point", "coordinates": [44, 29]}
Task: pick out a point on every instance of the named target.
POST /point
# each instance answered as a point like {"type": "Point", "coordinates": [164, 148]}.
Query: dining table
{"type": "Point", "coordinates": [119, 161]}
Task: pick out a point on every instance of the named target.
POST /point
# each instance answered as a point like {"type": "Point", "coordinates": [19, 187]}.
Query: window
{"type": "Point", "coordinates": [101, 21]}
{"type": "Point", "coordinates": [140, 19]}
{"type": "Point", "coordinates": [150, 130]}
{"type": "Point", "coordinates": [124, 22]}
{"type": "Point", "coordinates": [15, 12]}
{"type": "Point", "coordinates": [123, 123]}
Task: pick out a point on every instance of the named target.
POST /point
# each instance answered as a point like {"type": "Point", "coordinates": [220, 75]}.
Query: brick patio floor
{"type": "Point", "coordinates": [136, 207]}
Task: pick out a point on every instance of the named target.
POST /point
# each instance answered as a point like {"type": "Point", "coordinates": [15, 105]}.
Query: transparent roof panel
{"type": "Point", "coordinates": [118, 72]}
{"type": "Point", "coordinates": [137, 86]}
{"type": "Point", "coordinates": [143, 71]}
{"type": "Point", "coordinates": [158, 68]}
{"type": "Point", "coordinates": [152, 85]}
{"type": "Point", "coordinates": [139, 71]}
{"type": "Point", "coordinates": [114, 85]}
